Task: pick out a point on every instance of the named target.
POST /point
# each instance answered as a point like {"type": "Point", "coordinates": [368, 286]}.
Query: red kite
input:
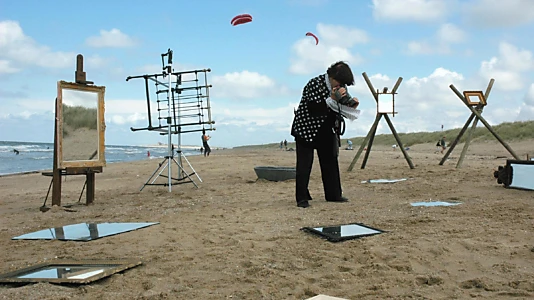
{"type": "Point", "coordinates": [313, 35]}
{"type": "Point", "coordinates": [241, 19]}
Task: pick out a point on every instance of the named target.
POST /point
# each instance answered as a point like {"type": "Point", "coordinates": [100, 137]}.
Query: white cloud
{"type": "Point", "coordinates": [445, 36]}
{"type": "Point", "coordinates": [508, 67]}
{"type": "Point", "coordinates": [278, 118]}
{"type": "Point", "coordinates": [526, 112]}
{"type": "Point", "coordinates": [6, 68]}
{"type": "Point", "coordinates": [335, 43]}
{"type": "Point", "coordinates": [450, 34]}
{"type": "Point", "coordinates": [411, 10]}
{"type": "Point", "coordinates": [245, 85]}
{"type": "Point", "coordinates": [113, 38]}
{"type": "Point", "coordinates": [498, 13]}
{"type": "Point", "coordinates": [18, 50]}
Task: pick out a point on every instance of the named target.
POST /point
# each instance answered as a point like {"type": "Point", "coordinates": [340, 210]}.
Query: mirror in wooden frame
{"type": "Point", "coordinates": [82, 126]}
{"type": "Point", "coordinates": [386, 103]}
{"type": "Point", "coordinates": [474, 98]}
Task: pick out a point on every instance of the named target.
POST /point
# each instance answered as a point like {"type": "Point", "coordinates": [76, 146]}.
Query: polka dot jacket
{"type": "Point", "coordinates": [313, 116]}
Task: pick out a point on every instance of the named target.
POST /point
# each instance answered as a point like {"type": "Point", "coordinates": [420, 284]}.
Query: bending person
{"type": "Point", "coordinates": [314, 127]}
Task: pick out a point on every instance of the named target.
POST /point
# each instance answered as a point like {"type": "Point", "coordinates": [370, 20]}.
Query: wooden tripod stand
{"type": "Point", "coordinates": [476, 108]}
{"type": "Point", "coordinates": [371, 135]}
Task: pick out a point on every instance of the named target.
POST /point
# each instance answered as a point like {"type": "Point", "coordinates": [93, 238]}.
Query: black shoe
{"type": "Point", "coordinates": [342, 199]}
{"type": "Point", "coordinates": [303, 204]}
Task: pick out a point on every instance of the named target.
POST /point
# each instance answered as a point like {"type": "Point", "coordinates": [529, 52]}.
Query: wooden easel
{"type": "Point", "coordinates": [371, 135]}
{"type": "Point", "coordinates": [476, 114]}
{"type": "Point", "coordinates": [57, 171]}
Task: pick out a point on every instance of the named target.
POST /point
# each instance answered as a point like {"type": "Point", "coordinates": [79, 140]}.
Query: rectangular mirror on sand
{"type": "Point", "coordinates": [82, 231]}
{"type": "Point", "coordinates": [338, 233]}
{"type": "Point", "coordinates": [81, 125]}
{"type": "Point", "coordinates": [68, 271]}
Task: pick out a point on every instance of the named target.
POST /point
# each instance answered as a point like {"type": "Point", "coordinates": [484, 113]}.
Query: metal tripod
{"type": "Point", "coordinates": [182, 174]}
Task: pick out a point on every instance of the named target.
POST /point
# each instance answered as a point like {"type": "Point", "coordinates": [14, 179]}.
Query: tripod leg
{"type": "Point", "coordinates": [182, 170]}
{"type": "Point", "coordinates": [159, 166]}
{"type": "Point", "coordinates": [194, 172]}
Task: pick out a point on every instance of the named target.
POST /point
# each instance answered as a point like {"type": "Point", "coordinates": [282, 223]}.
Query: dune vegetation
{"type": "Point", "coordinates": [510, 132]}
{"type": "Point", "coordinates": [75, 117]}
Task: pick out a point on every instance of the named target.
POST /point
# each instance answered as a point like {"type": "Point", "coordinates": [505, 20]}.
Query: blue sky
{"type": "Point", "coordinates": [260, 68]}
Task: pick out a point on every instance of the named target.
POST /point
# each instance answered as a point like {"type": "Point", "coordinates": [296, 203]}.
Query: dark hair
{"type": "Point", "coordinates": [341, 72]}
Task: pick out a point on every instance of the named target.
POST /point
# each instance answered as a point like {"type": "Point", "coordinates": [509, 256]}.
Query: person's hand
{"type": "Point", "coordinates": [357, 102]}
{"type": "Point", "coordinates": [341, 90]}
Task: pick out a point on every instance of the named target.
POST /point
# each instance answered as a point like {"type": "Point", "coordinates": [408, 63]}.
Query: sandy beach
{"type": "Point", "coordinates": [236, 237]}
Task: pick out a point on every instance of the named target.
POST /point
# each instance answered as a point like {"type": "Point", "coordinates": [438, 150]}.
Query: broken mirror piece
{"type": "Point", "coordinates": [435, 203]}
{"type": "Point", "coordinates": [83, 231]}
{"type": "Point", "coordinates": [384, 180]}
{"type": "Point", "coordinates": [68, 271]}
{"type": "Point", "coordinates": [338, 233]}
{"type": "Point", "coordinates": [516, 174]}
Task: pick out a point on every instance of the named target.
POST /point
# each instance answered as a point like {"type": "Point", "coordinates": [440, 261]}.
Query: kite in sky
{"type": "Point", "coordinates": [313, 35]}
{"type": "Point", "coordinates": [241, 19]}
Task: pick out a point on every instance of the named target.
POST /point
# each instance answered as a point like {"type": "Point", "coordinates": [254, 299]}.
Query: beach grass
{"type": "Point", "coordinates": [80, 117]}
{"type": "Point", "coordinates": [509, 131]}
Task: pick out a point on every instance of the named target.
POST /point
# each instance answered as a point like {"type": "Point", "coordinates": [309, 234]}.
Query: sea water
{"type": "Point", "coordinates": [38, 156]}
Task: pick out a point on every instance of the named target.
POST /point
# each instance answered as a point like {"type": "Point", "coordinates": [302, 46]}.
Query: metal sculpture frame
{"type": "Point", "coordinates": [372, 132]}
{"type": "Point", "coordinates": [179, 105]}
{"type": "Point", "coordinates": [476, 114]}
{"type": "Point", "coordinates": [59, 168]}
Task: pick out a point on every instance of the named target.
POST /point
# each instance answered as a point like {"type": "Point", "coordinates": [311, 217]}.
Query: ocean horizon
{"type": "Point", "coordinates": [38, 156]}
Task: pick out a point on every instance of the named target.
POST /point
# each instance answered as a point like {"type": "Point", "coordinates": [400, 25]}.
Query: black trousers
{"type": "Point", "coordinates": [327, 150]}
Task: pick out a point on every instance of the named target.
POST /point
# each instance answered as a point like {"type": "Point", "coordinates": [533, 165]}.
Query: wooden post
{"type": "Point", "coordinates": [90, 191]}
{"type": "Point", "coordinates": [453, 144]}
{"type": "Point", "coordinates": [397, 138]}
{"type": "Point", "coordinates": [364, 143]}
{"type": "Point", "coordinates": [56, 172]}
{"type": "Point", "coordinates": [371, 139]}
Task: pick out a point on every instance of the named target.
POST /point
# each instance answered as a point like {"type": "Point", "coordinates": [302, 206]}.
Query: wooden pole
{"type": "Point", "coordinates": [397, 138]}
{"type": "Point", "coordinates": [364, 143]}
{"type": "Point", "coordinates": [56, 172]}
{"type": "Point", "coordinates": [453, 144]}
{"type": "Point", "coordinates": [466, 145]}
{"type": "Point", "coordinates": [371, 139]}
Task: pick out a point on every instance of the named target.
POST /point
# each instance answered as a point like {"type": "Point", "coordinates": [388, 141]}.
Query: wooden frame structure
{"type": "Point", "coordinates": [371, 135]}
{"type": "Point", "coordinates": [476, 109]}
{"type": "Point", "coordinates": [61, 165]}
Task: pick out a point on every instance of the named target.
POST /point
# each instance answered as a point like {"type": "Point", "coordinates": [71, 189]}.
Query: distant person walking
{"type": "Point", "coordinates": [205, 139]}
{"type": "Point", "coordinates": [285, 144]}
